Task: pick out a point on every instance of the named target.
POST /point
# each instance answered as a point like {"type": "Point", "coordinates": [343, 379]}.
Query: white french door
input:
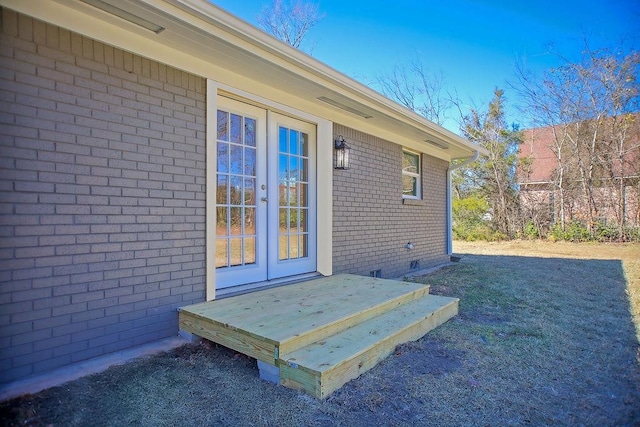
{"type": "Point", "coordinates": [292, 197]}
{"type": "Point", "coordinates": [265, 195]}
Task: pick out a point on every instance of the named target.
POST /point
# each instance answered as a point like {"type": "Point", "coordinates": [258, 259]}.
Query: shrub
{"type": "Point", "coordinates": [604, 232]}
{"type": "Point", "coordinates": [468, 219]}
{"type": "Point", "coordinates": [632, 234]}
{"type": "Point", "coordinates": [574, 231]}
{"type": "Point", "coordinates": [530, 231]}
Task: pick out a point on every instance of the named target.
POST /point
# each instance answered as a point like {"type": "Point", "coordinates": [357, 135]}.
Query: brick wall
{"type": "Point", "coordinates": [371, 224]}
{"type": "Point", "coordinates": [102, 197]}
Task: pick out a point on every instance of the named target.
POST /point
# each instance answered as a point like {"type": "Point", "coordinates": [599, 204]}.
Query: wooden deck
{"type": "Point", "coordinates": [321, 333]}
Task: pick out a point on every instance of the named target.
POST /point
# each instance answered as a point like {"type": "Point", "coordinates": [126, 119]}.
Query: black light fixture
{"type": "Point", "coordinates": [341, 150]}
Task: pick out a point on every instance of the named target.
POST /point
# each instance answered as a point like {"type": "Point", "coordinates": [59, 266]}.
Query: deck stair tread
{"type": "Point", "coordinates": [317, 335]}
{"type": "Point", "coordinates": [323, 366]}
{"type": "Point", "coordinates": [310, 307]}
{"type": "Point", "coordinates": [326, 354]}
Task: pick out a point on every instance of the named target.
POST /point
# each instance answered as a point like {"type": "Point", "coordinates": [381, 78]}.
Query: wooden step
{"type": "Point", "coordinates": [268, 323]}
{"type": "Point", "coordinates": [317, 335]}
{"type": "Point", "coordinates": [325, 365]}
{"type": "Point", "coordinates": [347, 312]}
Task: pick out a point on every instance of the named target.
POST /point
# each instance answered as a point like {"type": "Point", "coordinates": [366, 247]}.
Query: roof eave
{"type": "Point", "coordinates": [202, 25]}
{"type": "Point", "coordinates": [298, 58]}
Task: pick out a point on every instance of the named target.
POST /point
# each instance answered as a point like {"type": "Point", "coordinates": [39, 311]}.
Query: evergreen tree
{"type": "Point", "coordinates": [493, 177]}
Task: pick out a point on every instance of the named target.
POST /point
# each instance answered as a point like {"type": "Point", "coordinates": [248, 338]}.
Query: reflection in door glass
{"type": "Point", "coordinates": [235, 190]}
{"type": "Point", "coordinates": [293, 201]}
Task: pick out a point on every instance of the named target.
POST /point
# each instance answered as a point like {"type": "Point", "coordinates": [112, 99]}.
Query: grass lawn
{"type": "Point", "coordinates": [545, 336]}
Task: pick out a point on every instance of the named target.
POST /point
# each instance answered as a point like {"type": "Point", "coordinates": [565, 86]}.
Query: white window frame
{"type": "Point", "coordinates": [417, 175]}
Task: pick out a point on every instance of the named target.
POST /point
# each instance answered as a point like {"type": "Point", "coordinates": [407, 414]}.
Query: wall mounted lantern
{"type": "Point", "coordinates": [341, 150]}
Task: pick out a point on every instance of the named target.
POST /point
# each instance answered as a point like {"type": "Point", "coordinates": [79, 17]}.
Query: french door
{"type": "Point", "coordinates": [265, 195]}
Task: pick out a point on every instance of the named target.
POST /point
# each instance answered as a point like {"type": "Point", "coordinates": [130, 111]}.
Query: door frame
{"type": "Point", "coordinates": [324, 171]}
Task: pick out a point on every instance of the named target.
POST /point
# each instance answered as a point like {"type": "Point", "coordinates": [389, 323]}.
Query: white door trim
{"type": "Point", "coordinates": [324, 172]}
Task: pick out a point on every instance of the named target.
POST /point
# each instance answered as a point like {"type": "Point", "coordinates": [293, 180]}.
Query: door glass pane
{"type": "Point", "coordinates": [223, 157]}
{"type": "Point", "coordinates": [283, 168]}
{"type": "Point", "coordinates": [222, 189]}
{"type": "Point", "coordinates": [235, 249]}
{"type": "Point", "coordinates": [283, 247]}
{"type": "Point", "coordinates": [293, 246]}
{"type": "Point", "coordinates": [283, 194]}
{"type": "Point", "coordinates": [293, 195]}
{"type": "Point", "coordinates": [250, 132]}
{"type": "Point", "coordinates": [249, 221]}
{"type": "Point", "coordinates": [222, 253]}
{"type": "Point", "coordinates": [282, 140]}
{"type": "Point", "coordinates": [221, 222]}
{"type": "Point", "coordinates": [236, 128]}
{"type": "Point", "coordinates": [293, 221]}
{"type": "Point", "coordinates": [249, 161]}
{"type": "Point", "coordinates": [304, 245]}
{"type": "Point", "coordinates": [249, 191]}
{"type": "Point", "coordinates": [236, 190]}
{"type": "Point", "coordinates": [236, 159]}
{"type": "Point", "coordinates": [293, 142]}
{"type": "Point", "coordinates": [293, 168]}
{"type": "Point", "coordinates": [303, 213]}
{"type": "Point", "coordinates": [303, 190]}
{"type": "Point", "coordinates": [283, 220]}
{"type": "Point", "coordinates": [236, 221]}
{"type": "Point", "coordinates": [223, 123]}
{"type": "Point", "coordinates": [304, 144]}
{"type": "Point", "coordinates": [250, 250]}
{"type": "Point", "coordinates": [304, 170]}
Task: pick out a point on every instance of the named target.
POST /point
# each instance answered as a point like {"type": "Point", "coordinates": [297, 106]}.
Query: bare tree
{"type": "Point", "coordinates": [592, 108]}
{"type": "Point", "coordinates": [418, 89]}
{"type": "Point", "coordinates": [290, 21]}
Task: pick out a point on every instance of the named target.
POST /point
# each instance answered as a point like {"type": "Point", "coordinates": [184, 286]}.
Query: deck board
{"type": "Point", "coordinates": [322, 367]}
{"type": "Point", "coordinates": [282, 314]}
{"type": "Point", "coordinates": [364, 335]}
{"type": "Point", "coordinates": [321, 333]}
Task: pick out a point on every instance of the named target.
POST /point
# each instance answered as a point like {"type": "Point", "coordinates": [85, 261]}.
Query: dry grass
{"type": "Point", "coordinates": [544, 336]}
{"type": "Point", "coordinates": [627, 254]}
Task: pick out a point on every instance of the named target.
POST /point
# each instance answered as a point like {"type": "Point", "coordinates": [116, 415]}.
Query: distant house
{"type": "Point", "coordinates": [160, 153]}
{"type": "Point", "coordinates": [616, 188]}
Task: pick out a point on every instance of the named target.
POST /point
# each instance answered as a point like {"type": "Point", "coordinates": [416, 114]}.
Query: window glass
{"type": "Point", "coordinates": [410, 175]}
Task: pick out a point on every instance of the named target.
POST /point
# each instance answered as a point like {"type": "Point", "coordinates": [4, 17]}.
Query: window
{"type": "Point", "coordinates": [410, 175]}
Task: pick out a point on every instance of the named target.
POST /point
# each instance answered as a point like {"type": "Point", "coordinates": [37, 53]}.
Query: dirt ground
{"type": "Point", "coordinates": [545, 336]}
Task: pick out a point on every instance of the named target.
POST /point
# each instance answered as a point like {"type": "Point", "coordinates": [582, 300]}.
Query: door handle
{"type": "Point", "coordinates": [263, 199]}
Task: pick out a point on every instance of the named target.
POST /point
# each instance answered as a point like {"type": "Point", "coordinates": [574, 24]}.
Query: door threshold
{"type": "Point", "coordinates": [259, 286]}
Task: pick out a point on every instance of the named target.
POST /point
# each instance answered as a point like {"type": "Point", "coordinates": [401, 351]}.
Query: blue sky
{"type": "Point", "coordinates": [475, 44]}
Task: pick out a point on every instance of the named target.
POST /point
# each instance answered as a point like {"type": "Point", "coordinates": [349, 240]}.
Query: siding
{"type": "Point", "coordinates": [102, 197]}
{"type": "Point", "coordinates": [371, 224]}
